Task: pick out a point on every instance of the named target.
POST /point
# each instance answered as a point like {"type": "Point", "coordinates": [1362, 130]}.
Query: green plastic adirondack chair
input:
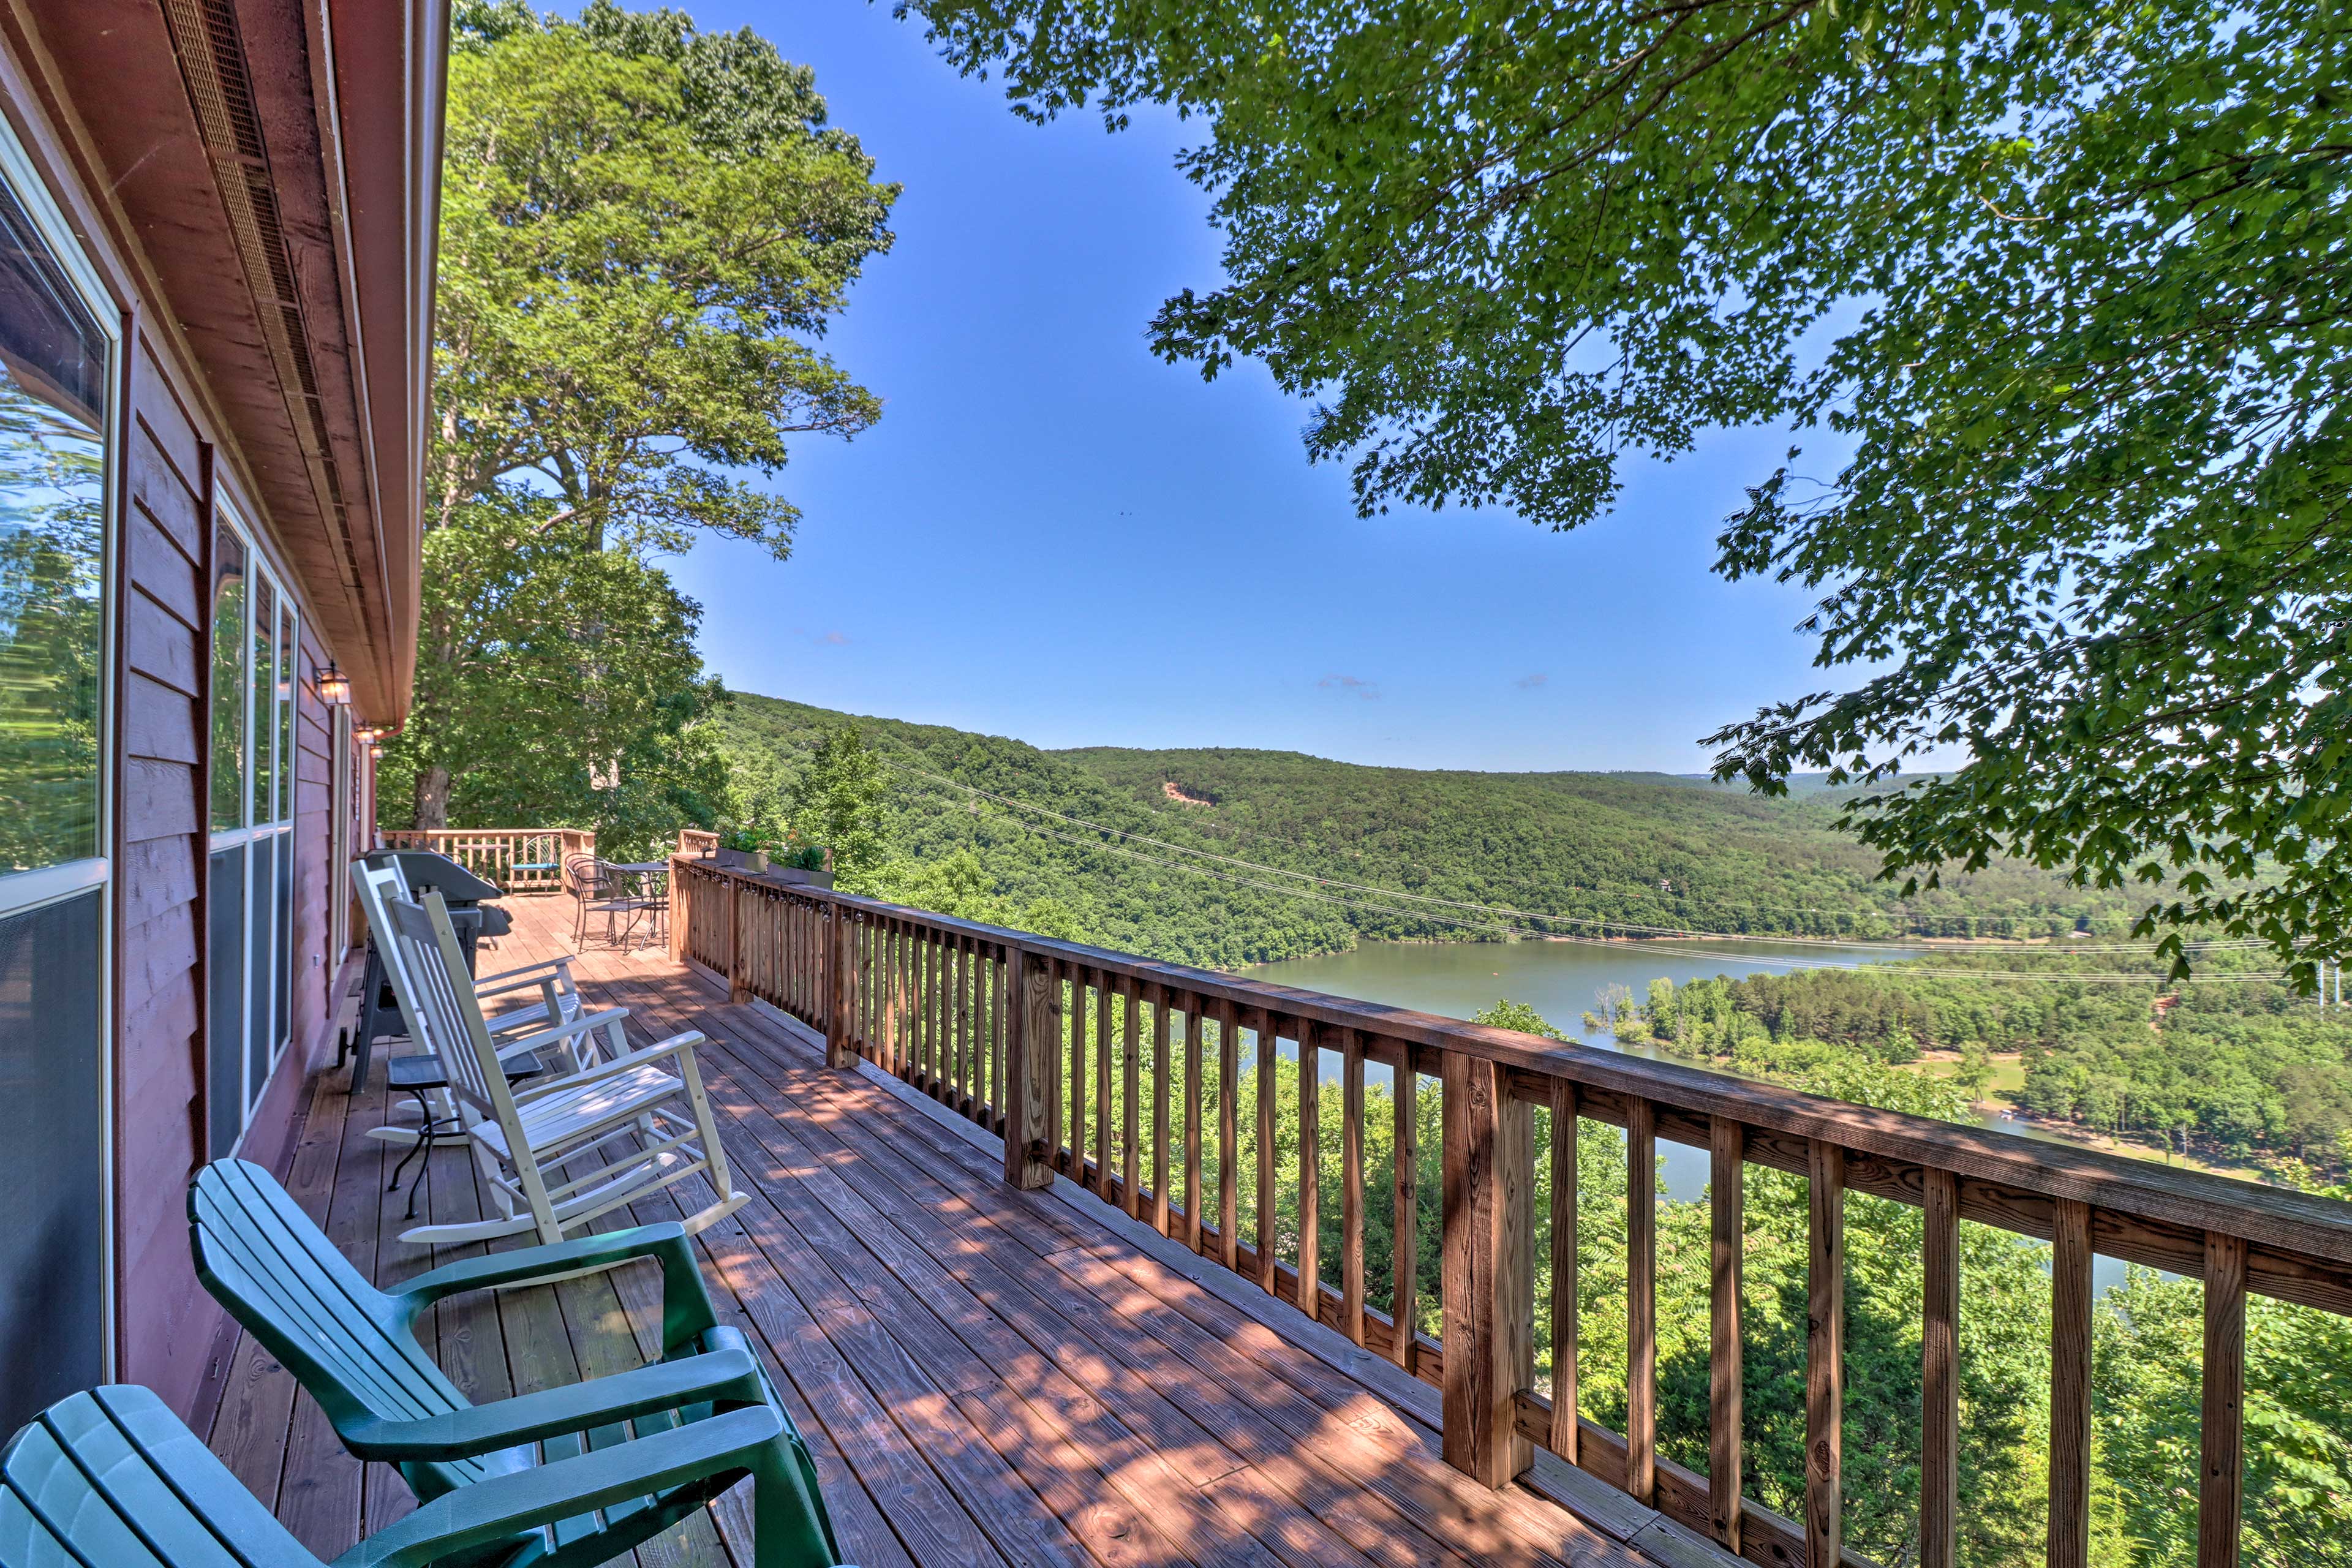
{"type": "Point", "coordinates": [353, 1349]}
{"type": "Point", "coordinates": [112, 1479]}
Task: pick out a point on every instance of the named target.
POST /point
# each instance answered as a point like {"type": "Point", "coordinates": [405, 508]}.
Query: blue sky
{"type": "Point", "coordinates": [1054, 536]}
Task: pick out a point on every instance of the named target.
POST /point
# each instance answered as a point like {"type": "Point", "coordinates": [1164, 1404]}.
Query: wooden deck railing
{"type": "Point", "coordinates": [519, 859]}
{"type": "Point", "coordinates": [1068, 1053]}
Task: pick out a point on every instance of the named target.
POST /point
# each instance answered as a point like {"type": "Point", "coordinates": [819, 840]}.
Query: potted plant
{"type": "Point", "coordinates": [740, 849]}
{"type": "Point", "coordinates": [804, 863]}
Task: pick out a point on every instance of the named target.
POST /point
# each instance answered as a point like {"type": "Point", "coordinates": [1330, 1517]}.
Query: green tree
{"type": "Point", "coordinates": [841, 800]}
{"type": "Point", "coordinates": [645, 229]}
{"type": "Point", "coordinates": [2050, 299]}
{"type": "Point", "coordinates": [553, 667]}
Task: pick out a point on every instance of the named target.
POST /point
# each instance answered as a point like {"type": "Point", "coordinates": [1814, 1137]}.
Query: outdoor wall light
{"type": "Point", "coordinates": [334, 686]}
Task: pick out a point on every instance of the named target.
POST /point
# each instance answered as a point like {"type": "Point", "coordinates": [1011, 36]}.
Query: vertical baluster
{"type": "Point", "coordinates": [2221, 1443]}
{"type": "Point", "coordinates": [928, 954]}
{"type": "Point", "coordinates": [1161, 1045]}
{"type": "Point", "coordinates": [1939, 1375]}
{"type": "Point", "coordinates": [2069, 1385]}
{"type": "Point", "coordinates": [1059, 1055]}
{"type": "Point", "coordinates": [1079, 1011]}
{"type": "Point", "coordinates": [1229, 1073]}
{"type": "Point", "coordinates": [1825, 1353]}
{"type": "Point", "coordinates": [1269, 1055]}
{"type": "Point", "coordinates": [1131, 1093]}
{"type": "Point", "coordinates": [910, 956]}
{"type": "Point", "coordinates": [1404, 1288]}
{"type": "Point", "coordinates": [935, 1014]}
{"type": "Point", "coordinates": [999, 969]}
{"type": "Point", "coordinates": [1727, 1203]}
{"type": "Point", "coordinates": [1564, 1264]}
{"type": "Point", "coordinates": [1640, 1299]}
{"type": "Point", "coordinates": [1102, 1084]}
{"type": "Point", "coordinates": [959, 1013]}
{"type": "Point", "coordinates": [902, 985]}
{"type": "Point", "coordinates": [1197, 1032]}
{"type": "Point", "coordinates": [869, 976]}
{"type": "Point", "coordinates": [1351, 1187]}
{"type": "Point", "coordinates": [1310, 1175]}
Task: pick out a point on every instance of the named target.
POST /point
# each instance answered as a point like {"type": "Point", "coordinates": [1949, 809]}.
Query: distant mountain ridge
{"type": "Point", "coordinates": [1629, 850]}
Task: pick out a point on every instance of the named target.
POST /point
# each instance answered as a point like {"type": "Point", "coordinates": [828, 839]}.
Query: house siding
{"type": "Point", "coordinates": [173, 465]}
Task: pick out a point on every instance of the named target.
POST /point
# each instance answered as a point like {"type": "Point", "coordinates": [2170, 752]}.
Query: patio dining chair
{"type": "Point", "coordinates": [597, 888]}
{"type": "Point", "coordinates": [112, 1477]}
{"type": "Point", "coordinates": [353, 1348]}
{"type": "Point", "coordinates": [562, 1149]}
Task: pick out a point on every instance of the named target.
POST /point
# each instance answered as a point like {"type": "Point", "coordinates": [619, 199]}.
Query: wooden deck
{"type": "Point", "coordinates": [987, 1376]}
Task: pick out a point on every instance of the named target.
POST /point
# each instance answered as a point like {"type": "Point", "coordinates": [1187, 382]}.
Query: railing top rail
{"type": "Point", "coordinates": [2274, 1217]}
{"type": "Point", "coordinates": [475, 832]}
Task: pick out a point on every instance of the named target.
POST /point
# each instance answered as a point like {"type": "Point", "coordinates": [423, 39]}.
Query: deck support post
{"type": "Point", "coordinates": [737, 993]}
{"type": "Point", "coordinates": [679, 895]}
{"type": "Point", "coordinates": [1033, 1035]}
{"type": "Point", "coordinates": [1488, 1307]}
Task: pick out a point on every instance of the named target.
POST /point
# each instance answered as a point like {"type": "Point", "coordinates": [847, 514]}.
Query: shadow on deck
{"type": "Point", "coordinates": [987, 1376]}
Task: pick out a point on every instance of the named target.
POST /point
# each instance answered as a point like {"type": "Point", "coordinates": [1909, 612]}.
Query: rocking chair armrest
{"type": "Point", "coordinates": [490, 1510]}
{"type": "Point", "coordinates": [728, 1378]}
{"type": "Point", "coordinates": [579, 1023]}
{"type": "Point", "coordinates": [529, 974]}
{"type": "Point", "coordinates": [686, 1313]}
{"type": "Point", "coordinates": [625, 1062]}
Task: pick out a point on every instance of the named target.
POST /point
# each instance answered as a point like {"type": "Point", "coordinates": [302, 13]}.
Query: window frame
{"type": "Point", "coordinates": [272, 1010]}
{"type": "Point", "coordinates": [30, 890]}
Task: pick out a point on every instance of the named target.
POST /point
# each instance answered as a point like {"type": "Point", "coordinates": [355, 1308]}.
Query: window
{"type": "Point", "coordinates": [256, 655]}
{"type": "Point", "coordinates": [228, 675]}
{"type": "Point", "coordinates": [54, 359]}
{"type": "Point", "coordinates": [57, 353]}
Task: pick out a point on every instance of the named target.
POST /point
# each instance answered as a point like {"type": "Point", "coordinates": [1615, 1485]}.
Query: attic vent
{"type": "Point", "coordinates": [212, 62]}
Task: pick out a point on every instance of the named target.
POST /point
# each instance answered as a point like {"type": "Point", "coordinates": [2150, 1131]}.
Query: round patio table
{"type": "Point", "coordinates": [644, 898]}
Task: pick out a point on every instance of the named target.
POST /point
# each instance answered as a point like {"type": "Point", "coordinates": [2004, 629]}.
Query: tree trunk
{"type": "Point", "coordinates": [432, 797]}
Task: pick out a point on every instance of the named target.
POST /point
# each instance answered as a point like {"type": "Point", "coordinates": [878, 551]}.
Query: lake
{"type": "Point", "coordinates": [1560, 980]}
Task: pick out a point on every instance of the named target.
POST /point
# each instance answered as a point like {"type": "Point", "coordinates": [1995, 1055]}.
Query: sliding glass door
{"type": "Point", "coordinates": [256, 658]}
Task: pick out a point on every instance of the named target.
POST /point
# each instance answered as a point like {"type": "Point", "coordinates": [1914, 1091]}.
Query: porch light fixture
{"type": "Point", "coordinates": [334, 686]}
{"type": "Point", "coordinates": [376, 750]}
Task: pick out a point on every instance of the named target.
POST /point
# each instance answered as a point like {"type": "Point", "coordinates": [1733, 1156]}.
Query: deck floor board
{"type": "Point", "coordinates": [988, 1378]}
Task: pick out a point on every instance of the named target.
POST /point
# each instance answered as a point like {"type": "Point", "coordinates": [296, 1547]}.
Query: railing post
{"type": "Point", "coordinates": [1032, 1036]}
{"type": "Point", "coordinates": [738, 991]}
{"type": "Point", "coordinates": [840, 1028]}
{"type": "Point", "coordinates": [680, 891]}
{"type": "Point", "coordinates": [1488, 1305]}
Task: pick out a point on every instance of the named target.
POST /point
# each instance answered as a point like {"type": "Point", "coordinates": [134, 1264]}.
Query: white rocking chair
{"type": "Point", "coordinates": [559, 1001]}
{"type": "Point", "coordinates": [638, 1121]}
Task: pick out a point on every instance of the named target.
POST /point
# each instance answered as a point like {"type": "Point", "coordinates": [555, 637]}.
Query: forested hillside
{"type": "Point", "coordinates": [1629, 850]}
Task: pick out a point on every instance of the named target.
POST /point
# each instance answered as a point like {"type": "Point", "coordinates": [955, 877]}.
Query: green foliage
{"type": "Point", "coordinates": [642, 228]}
{"type": "Point", "coordinates": [2051, 299]}
{"type": "Point", "coordinates": [52, 566]}
{"type": "Point", "coordinates": [1632, 848]}
{"type": "Point", "coordinates": [546, 662]}
{"type": "Point", "coordinates": [1506, 1014]}
{"type": "Point", "coordinates": [840, 801]}
{"type": "Point", "coordinates": [2240, 1068]}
